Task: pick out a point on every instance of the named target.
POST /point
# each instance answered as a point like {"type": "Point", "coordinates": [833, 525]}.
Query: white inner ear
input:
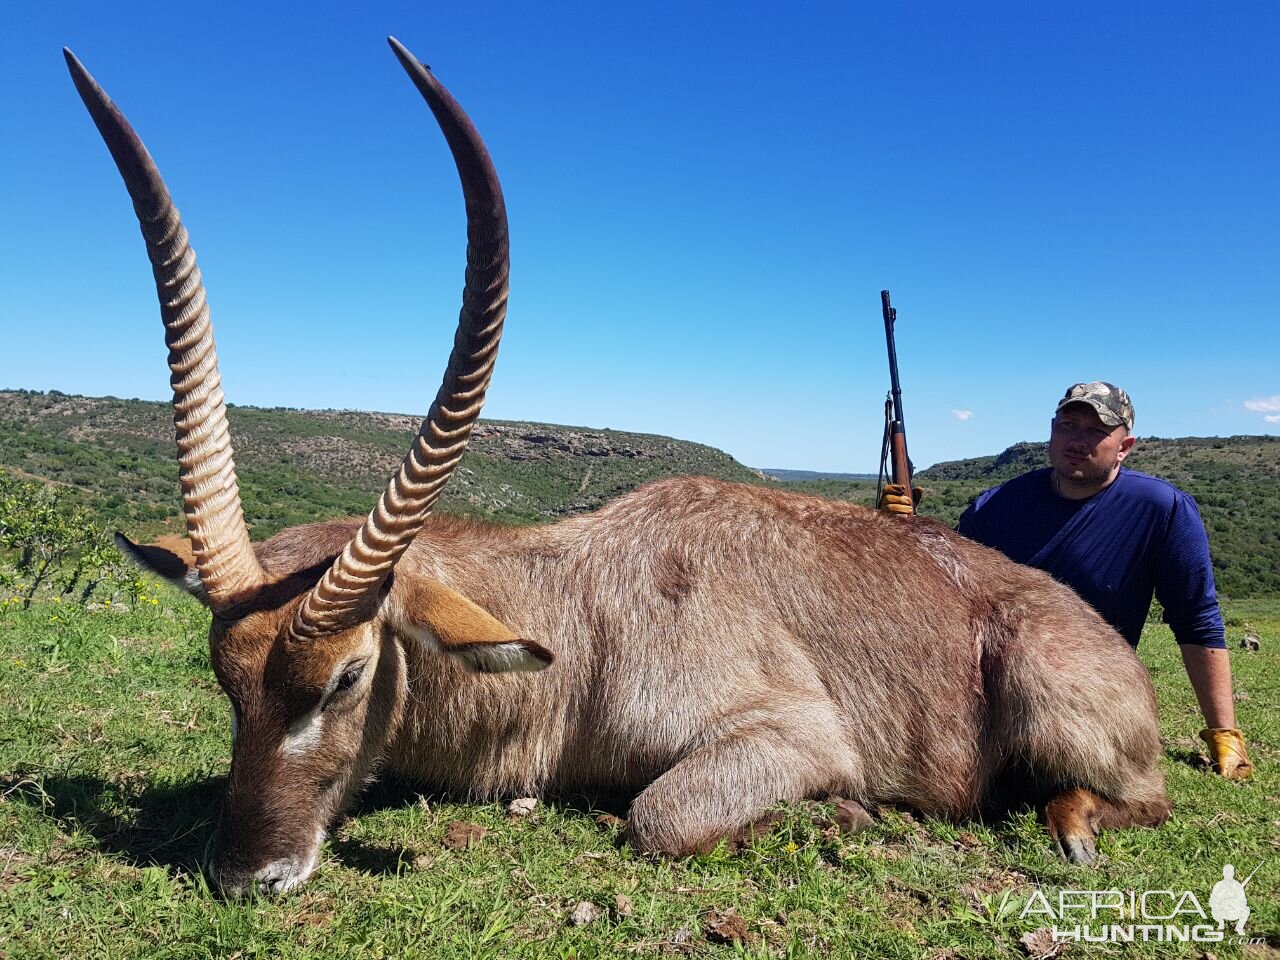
{"type": "Point", "coordinates": [415, 632]}
{"type": "Point", "coordinates": [482, 657]}
{"type": "Point", "coordinates": [501, 658]}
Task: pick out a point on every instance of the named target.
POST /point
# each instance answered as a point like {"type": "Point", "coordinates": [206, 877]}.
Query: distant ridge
{"type": "Point", "coordinates": [790, 476]}
{"type": "Point", "coordinates": [301, 465]}
{"type": "Point", "coordinates": [297, 466]}
{"type": "Point", "coordinates": [1183, 461]}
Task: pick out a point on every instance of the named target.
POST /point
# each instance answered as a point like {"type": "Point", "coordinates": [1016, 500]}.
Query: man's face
{"type": "Point", "coordinates": [1083, 450]}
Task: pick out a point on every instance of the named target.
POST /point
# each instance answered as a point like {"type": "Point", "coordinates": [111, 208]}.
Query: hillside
{"type": "Point", "coordinates": [1236, 481]}
{"type": "Point", "coordinates": [1183, 461]}
{"type": "Point", "coordinates": [296, 466]}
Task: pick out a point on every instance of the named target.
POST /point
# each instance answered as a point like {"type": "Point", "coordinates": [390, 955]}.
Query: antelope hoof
{"type": "Point", "coordinates": [1078, 849]}
{"type": "Point", "coordinates": [1072, 818]}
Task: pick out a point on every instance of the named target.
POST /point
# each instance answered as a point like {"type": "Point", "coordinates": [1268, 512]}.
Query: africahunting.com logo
{"type": "Point", "coordinates": [1161, 916]}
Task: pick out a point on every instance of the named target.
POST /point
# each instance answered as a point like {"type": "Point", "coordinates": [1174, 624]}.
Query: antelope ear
{"type": "Point", "coordinates": [445, 620]}
{"type": "Point", "coordinates": [169, 558]}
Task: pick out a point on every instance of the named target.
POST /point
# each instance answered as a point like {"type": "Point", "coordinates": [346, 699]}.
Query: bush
{"type": "Point", "coordinates": [49, 543]}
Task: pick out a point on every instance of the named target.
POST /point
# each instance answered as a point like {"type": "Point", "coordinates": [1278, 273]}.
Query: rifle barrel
{"type": "Point", "coordinates": [890, 317]}
{"type": "Point", "coordinates": [898, 431]}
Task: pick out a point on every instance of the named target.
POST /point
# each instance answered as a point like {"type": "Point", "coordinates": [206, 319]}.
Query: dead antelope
{"type": "Point", "coordinates": [714, 649]}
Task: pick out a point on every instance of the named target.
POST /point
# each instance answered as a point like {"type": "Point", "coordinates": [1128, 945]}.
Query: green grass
{"type": "Point", "coordinates": [114, 745]}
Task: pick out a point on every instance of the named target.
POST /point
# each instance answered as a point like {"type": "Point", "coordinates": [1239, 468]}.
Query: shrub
{"type": "Point", "coordinates": [49, 543]}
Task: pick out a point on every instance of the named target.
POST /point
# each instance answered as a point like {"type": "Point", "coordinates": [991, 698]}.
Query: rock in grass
{"type": "Point", "coordinates": [584, 912]}
{"type": "Point", "coordinates": [1040, 944]}
{"type": "Point", "coordinates": [521, 807]}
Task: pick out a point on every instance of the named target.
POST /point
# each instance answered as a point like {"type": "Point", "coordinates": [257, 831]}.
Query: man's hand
{"type": "Point", "coordinates": [1226, 747]}
{"type": "Point", "coordinates": [894, 499]}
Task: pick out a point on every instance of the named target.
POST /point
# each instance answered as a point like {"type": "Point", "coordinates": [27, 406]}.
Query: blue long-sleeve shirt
{"type": "Point", "coordinates": [1138, 537]}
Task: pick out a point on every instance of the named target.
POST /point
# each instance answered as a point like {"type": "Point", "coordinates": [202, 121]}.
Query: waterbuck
{"type": "Point", "coordinates": [711, 649]}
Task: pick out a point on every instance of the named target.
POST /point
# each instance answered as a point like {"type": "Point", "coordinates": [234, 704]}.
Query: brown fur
{"type": "Point", "coordinates": [169, 557]}
{"type": "Point", "coordinates": [455, 620]}
{"type": "Point", "coordinates": [718, 648]}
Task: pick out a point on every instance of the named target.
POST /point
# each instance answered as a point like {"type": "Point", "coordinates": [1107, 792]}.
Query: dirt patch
{"type": "Point", "coordinates": [461, 835]}
{"type": "Point", "coordinates": [728, 928]}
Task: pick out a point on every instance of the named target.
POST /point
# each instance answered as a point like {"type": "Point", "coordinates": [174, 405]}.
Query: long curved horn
{"type": "Point", "coordinates": [228, 568]}
{"type": "Point", "coordinates": [343, 596]}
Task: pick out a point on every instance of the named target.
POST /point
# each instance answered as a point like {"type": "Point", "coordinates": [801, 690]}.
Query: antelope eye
{"type": "Point", "coordinates": [350, 677]}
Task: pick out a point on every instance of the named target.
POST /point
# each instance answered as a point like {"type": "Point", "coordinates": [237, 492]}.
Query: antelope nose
{"type": "Point", "coordinates": [241, 888]}
{"type": "Point", "coordinates": [278, 876]}
{"type": "Point", "coordinates": [269, 881]}
{"type": "Point", "coordinates": [239, 875]}
{"type": "Point", "coordinates": [270, 885]}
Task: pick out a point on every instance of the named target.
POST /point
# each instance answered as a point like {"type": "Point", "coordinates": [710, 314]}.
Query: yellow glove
{"type": "Point", "coordinates": [894, 499]}
{"type": "Point", "coordinates": [1226, 746]}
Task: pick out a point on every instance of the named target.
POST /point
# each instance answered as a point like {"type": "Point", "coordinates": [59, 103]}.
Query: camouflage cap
{"type": "Point", "coordinates": [1113, 404]}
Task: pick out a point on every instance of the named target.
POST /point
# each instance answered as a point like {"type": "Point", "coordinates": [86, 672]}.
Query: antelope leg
{"type": "Point", "coordinates": [723, 789]}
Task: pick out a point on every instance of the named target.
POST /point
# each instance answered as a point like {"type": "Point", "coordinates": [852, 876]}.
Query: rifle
{"type": "Point", "coordinates": [894, 448]}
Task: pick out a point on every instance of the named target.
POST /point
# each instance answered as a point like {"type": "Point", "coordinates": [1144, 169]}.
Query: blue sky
{"type": "Point", "coordinates": [705, 202]}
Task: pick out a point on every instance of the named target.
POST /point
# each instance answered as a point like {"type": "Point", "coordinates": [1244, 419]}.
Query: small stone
{"type": "Point", "coordinates": [1040, 944]}
{"type": "Point", "coordinates": [583, 913]}
{"type": "Point", "coordinates": [521, 807]}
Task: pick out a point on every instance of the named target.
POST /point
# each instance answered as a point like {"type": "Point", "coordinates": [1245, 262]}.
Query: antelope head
{"type": "Point", "coordinates": [306, 638]}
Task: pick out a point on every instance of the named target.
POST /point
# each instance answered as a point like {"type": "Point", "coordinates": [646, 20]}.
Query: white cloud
{"type": "Point", "coordinates": [1272, 418]}
{"type": "Point", "coordinates": [1264, 405]}
{"type": "Point", "coordinates": [963, 415]}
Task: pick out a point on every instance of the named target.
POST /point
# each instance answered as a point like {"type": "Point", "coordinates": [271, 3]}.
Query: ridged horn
{"type": "Point", "coordinates": [344, 595]}
{"type": "Point", "coordinates": [228, 568]}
